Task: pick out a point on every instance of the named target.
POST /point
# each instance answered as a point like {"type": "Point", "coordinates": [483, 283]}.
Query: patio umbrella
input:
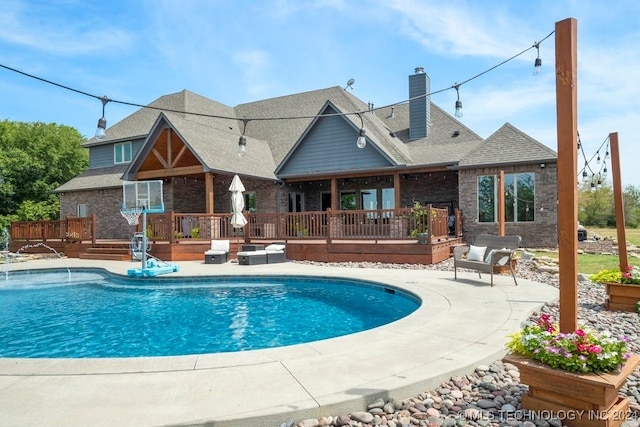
{"type": "Point", "coordinates": [237, 203]}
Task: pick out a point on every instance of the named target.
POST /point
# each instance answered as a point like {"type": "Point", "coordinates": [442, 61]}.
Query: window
{"type": "Point", "coordinates": [250, 201]}
{"type": "Point", "coordinates": [122, 152]}
{"type": "Point", "coordinates": [388, 198]}
{"type": "Point", "coordinates": [369, 199]}
{"type": "Point", "coordinates": [519, 197]}
{"type": "Point", "coordinates": [296, 202]}
{"type": "Point", "coordinates": [81, 210]}
{"type": "Point", "coordinates": [348, 201]}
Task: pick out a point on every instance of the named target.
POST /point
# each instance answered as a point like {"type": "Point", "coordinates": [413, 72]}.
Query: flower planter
{"type": "Point", "coordinates": [579, 400]}
{"type": "Point", "coordinates": [622, 296]}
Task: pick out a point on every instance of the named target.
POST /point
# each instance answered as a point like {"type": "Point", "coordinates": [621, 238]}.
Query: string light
{"type": "Point", "coordinates": [104, 99]}
{"type": "Point", "coordinates": [242, 142]}
{"type": "Point", "coordinates": [589, 174]}
{"type": "Point", "coordinates": [102, 122]}
{"type": "Point", "coordinates": [361, 142]}
{"type": "Point", "coordinates": [458, 112]}
{"type": "Point", "coordinates": [538, 62]}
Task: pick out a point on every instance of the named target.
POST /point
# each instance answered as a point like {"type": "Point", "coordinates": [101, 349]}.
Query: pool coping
{"type": "Point", "coordinates": [459, 325]}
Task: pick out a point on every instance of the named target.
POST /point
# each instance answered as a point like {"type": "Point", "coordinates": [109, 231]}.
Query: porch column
{"type": "Point", "coordinates": [334, 195]}
{"type": "Point", "coordinates": [501, 203]}
{"type": "Point", "coordinates": [396, 189]}
{"type": "Point", "coordinates": [208, 189]}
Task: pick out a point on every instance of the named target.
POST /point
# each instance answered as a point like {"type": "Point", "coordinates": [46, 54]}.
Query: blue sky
{"type": "Point", "coordinates": [241, 51]}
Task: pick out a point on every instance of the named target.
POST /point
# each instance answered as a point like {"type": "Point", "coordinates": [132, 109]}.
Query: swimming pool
{"type": "Point", "coordinates": [94, 313]}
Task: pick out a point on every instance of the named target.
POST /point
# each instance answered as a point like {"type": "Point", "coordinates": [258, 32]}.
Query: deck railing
{"type": "Point", "coordinates": [381, 224]}
{"type": "Point", "coordinates": [70, 229]}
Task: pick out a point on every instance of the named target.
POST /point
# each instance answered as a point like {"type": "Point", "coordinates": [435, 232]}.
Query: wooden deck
{"type": "Point", "coordinates": [396, 252]}
{"type": "Point", "coordinates": [389, 236]}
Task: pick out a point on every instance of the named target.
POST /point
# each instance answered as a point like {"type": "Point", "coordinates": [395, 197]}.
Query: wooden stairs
{"type": "Point", "coordinates": [108, 252]}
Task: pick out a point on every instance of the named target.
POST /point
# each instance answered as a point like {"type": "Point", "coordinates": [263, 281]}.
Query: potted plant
{"type": "Point", "coordinates": [576, 376]}
{"type": "Point", "coordinates": [622, 287]}
{"type": "Point", "coordinates": [421, 222]}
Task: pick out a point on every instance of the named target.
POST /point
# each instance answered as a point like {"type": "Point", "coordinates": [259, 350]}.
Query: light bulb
{"type": "Point", "coordinates": [102, 125]}
{"type": "Point", "coordinates": [242, 146]}
{"type": "Point", "coordinates": [362, 140]}
{"type": "Point", "coordinates": [538, 65]}
{"type": "Point", "coordinates": [458, 109]}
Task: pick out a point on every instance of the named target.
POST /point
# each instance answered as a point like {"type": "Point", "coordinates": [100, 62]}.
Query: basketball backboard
{"type": "Point", "coordinates": [144, 195]}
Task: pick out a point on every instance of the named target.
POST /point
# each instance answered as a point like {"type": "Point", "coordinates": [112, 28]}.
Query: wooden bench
{"type": "Point", "coordinates": [487, 252]}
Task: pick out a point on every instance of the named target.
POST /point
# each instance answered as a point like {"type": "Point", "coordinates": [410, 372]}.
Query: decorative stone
{"type": "Point", "coordinates": [361, 416]}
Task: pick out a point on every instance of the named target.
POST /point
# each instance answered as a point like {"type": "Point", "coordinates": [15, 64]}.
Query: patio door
{"type": "Point", "coordinates": [296, 202]}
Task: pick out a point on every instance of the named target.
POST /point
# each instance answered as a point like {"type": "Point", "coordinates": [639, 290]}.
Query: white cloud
{"type": "Point", "coordinates": [22, 26]}
{"type": "Point", "coordinates": [254, 66]}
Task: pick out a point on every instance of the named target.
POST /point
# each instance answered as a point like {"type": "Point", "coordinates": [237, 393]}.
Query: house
{"type": "Point", "coordinates": [301, 155]}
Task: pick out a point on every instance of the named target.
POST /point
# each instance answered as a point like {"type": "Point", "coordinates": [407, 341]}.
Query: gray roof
{"type": "Point", "coordinates": [447, 141]}
{"type": "Point", "coordinates": [138, 124]}
{"type": "Point", "coordinates": [94, 178]}
{"type": "Point", "coordinates": [215, 147]}
{"type": "Point", "coordinates": [211, 131]}
{"type": "Point", "coordinates": [508, 145]}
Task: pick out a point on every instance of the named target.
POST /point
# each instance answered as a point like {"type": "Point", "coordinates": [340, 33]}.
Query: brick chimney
{"type": "Point", "coordinates": [419, 108]}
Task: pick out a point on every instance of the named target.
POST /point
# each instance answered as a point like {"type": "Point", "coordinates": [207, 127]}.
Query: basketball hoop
{"type": "Point", "coordinates": [131, 215]}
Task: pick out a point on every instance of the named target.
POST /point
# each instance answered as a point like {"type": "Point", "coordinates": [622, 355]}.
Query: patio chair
{"type": "Point", "coordinates": [487, 253]}
{"type": "Point", "coordinates": [276, 252]}
{"type": "Point", "coordinates": [219, 252]}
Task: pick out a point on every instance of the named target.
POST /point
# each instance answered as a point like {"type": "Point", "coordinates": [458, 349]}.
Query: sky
{"type": "Point", "coordinates": [242, 51]}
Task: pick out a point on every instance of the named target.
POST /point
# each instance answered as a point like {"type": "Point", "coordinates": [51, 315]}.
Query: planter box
{"type": "Point", "coordinates": [622, 297]}
{"type": "Point", "coordinates": [580, 400]}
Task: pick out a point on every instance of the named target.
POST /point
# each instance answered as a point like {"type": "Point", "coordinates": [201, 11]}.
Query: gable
{"type": "Point", "coordinates": [329, 146]}
{"type": "Point", "coordinates": [508, 145]}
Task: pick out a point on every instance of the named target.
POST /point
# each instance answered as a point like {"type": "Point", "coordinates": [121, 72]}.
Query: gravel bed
{"type": "Point", "coordinates": [490, 396]}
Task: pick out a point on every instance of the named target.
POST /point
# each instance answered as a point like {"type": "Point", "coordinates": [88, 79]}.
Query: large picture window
{"type": "Point", "coordinates": [519, 197]}
{"type": "Point", "coordinates": [122, 152]}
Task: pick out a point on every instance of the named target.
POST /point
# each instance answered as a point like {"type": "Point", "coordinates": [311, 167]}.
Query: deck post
{"type": "Point", "coordinates": [567, 129]}
{"type": "Point", "coordinates": [618, 200]}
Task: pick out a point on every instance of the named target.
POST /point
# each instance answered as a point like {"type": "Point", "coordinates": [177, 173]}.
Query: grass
{"type": "Point", "coordinates": [593, 263]}
{"type": "Point", "coordinates": [632, 234]}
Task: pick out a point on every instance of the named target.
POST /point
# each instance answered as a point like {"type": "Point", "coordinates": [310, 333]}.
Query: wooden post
{"type": "Point", "coordinates": [208, 190]}
{"type": "Point", "coordinates": [618, 200]}
{"type": "Point", "coordinates": [334, 195]}
{"type": "Point", "coordinates": [501, 203]}
{"type": "Point", "coordinates": [94, 228]}
{"type": "Point", "coordinates": [567, 128]}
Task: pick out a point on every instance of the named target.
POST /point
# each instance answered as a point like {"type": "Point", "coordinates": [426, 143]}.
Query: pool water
{"type": "Point", "coordinates": [89, 313]}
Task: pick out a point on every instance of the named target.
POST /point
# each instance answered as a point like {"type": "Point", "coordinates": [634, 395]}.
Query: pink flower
{"type": "Point", "coordinates": [594, 348]}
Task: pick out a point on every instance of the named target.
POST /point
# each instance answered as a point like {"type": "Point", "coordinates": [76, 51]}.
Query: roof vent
{"type": "Point", "coordinates": [456, 133]}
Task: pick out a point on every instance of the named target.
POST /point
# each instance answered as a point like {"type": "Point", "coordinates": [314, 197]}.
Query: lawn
{"type": "Point", "coordinates": [593, 263]}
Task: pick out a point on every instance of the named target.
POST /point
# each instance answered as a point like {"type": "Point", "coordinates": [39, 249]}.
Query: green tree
{"type": "Point", "coordinates": [595, 206]}
{"type": "Point", "coordinates": [35, 158]}
{"type": "Point", "coordinates": [631, 196]}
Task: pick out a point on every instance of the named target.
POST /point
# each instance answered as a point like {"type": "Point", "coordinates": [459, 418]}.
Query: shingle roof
{"type": "Point", "coordinates": [139, 123]}
{"type": "Point", "coordinates": [94, 178]}
{"type": "Point", "coordinates": [508, 145]}
{"type": "Point", "coordinates": [216, 148]}
{"type": "Point", "coordinates": [214, 139]}
{"type": "Point", "coordinates": [447, 141]}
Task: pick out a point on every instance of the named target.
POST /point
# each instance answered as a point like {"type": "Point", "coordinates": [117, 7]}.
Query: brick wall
{"type": "Point", "coordinates": [542, 232]}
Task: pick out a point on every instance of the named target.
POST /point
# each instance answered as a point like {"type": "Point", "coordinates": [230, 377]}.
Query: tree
{"type": "Point", "coordinates": [36, 158]}
{"type": "Point", "coordinates": [631, 197]}
{"type": "Point", "coordinates": [595, 206]}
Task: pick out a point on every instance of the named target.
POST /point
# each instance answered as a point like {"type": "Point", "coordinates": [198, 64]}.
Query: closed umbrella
{"type": "Point", "coordinates": [237, 203]}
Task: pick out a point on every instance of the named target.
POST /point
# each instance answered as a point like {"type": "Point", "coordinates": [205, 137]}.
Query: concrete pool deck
{"type": "Point", "coordinates": [459, 325]}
